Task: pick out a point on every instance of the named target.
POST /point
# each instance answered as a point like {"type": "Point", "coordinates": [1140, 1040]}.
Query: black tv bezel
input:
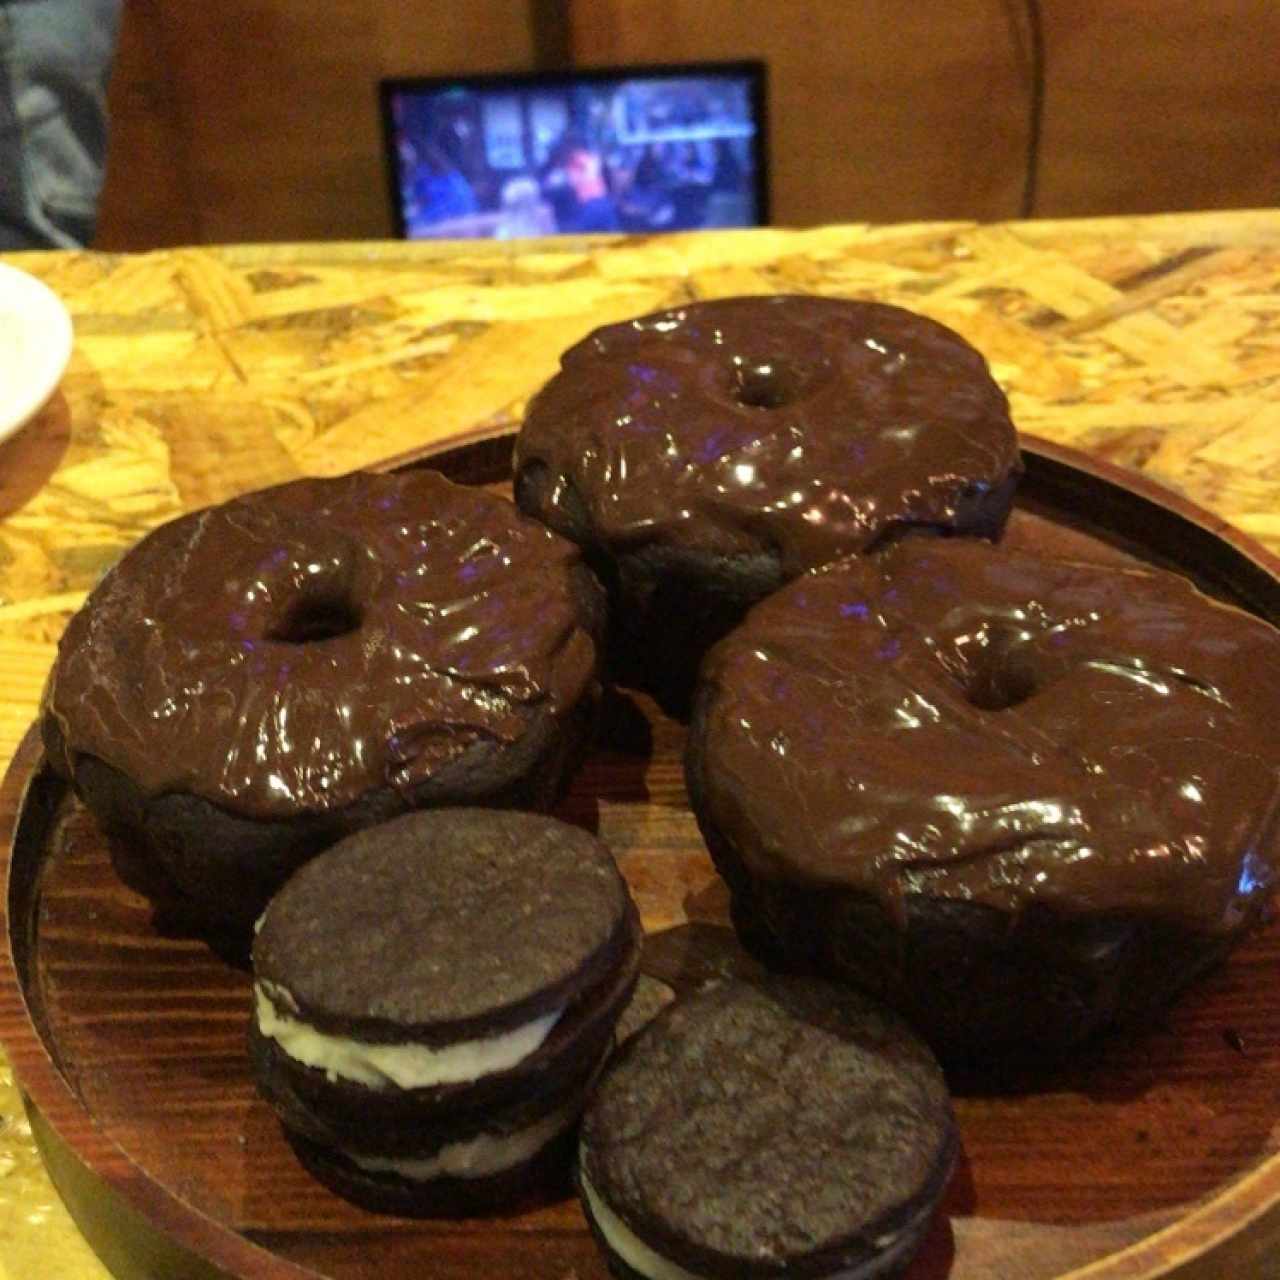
{"type": "Point", "coordinates": [754, 70]}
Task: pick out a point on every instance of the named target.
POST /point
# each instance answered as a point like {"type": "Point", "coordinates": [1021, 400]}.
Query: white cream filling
{"type": "Point", "coordinates": [638, 1255]}
{"type": "Point", "coordinates": [478, 1157]}
{"type": "Point", "coordinates": [408, 1066]}
{"type": "Point", "coordinates": [626, 1244]}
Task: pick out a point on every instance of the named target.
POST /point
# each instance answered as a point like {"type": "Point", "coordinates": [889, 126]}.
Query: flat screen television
{"type": "Point", "coordinates": [631, 149]}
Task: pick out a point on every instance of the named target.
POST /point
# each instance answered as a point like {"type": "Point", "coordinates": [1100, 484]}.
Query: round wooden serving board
{"type": "Point", "coordinates": [1156, 1155]}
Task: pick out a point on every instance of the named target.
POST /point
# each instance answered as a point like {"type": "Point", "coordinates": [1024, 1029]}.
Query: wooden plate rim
{"type": "Point", "coordinates": [1245, 1209]}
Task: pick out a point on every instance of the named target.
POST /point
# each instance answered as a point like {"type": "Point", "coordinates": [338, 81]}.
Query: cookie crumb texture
{"type": "Point", "coordinates": [767, 1125]}
{"type": "Point", "coordinates": [444, 920]}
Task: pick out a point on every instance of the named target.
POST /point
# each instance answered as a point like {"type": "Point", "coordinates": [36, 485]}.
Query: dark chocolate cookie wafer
{"type": "Point", "coordinates": [785, 1127]}
{"type": "Point", "coordinates": [432, 998]}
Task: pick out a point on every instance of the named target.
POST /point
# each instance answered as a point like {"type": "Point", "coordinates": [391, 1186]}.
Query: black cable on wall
{"type": "Point", "coordinates": [1035, 113]}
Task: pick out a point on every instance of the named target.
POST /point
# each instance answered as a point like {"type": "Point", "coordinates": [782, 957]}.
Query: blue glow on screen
{"type": "Point", "coordinates": [642, 154]}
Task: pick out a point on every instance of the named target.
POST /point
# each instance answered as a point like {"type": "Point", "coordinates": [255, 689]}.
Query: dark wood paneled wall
{"type": "Point", "coordinates": [242, 120]}
{"type": "Point", "coordinates": [1150, 107]}
{"type": "Point", "coordinates": [880, 110]}
{"type": "Point", "coordinates": [257, 119]}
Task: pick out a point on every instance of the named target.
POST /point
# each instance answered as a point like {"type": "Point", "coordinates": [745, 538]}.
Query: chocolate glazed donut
{"type": "Point", "coordinates": [705, 455]}
{"type": "Point", "coordinates": [1021, 799]}
{"type": "Point", "coordinates": [254, 681]}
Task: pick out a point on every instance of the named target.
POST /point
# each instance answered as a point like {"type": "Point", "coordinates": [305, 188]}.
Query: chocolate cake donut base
{"type": "Point", "coordinates": [208, 869]}
{"type": "Point", "coordinates": [994, 994]}
{"type": "Point", "coordinates": [668, 605]}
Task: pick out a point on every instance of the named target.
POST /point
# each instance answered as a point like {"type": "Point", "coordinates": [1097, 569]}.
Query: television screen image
{"type": "Point", "coordinates": [634, 149]}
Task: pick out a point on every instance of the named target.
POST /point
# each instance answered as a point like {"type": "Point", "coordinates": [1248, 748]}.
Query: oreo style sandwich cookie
{"type": "Point", "coordinates": [785, 1127]}
{"type": "Point", "coordinates": [432, 998]}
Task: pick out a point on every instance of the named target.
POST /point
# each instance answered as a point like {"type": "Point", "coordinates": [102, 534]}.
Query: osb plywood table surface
{"type": "Point", "coordinates": [201, 373]}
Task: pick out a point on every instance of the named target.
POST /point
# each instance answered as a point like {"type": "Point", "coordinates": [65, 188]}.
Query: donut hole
{"type": "Point", "coordinates": [999, 689]}
{"type": "Point", "coordinates": [998, 677]}
{"type": "Point", "coordinates": [764, 384]}
{"type": "Point", "coordinates": [993, 667]}
{"type": "Point", "coordinates": [311, 619]}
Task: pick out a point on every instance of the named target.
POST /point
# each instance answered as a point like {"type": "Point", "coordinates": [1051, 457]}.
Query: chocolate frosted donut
{"type": "Point", "coordinates": [1021, 798]}
{"type": "Point", "coordinates": [255, 680]}
{"type": "Point", "coordinates": [706, 454]}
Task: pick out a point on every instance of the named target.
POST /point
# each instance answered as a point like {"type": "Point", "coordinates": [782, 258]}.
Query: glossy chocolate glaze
{"type": "Point", "coordinates": [295, 647]}
{"type": "Point", "coordinates": [806, 424]}
{"type": "Point", "coordinates": [964, 722]}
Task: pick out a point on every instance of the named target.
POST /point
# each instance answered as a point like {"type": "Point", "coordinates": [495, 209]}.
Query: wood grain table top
{"type": "Point", "coordinates": [197, 374]}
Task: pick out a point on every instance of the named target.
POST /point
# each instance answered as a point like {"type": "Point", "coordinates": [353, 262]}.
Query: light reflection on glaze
{"type": "Point", "coordinates": [460, 621]}
{"type": "Point", "coordinates": [992, 727]}
{"type": "Point", "coordinates": [811, 424]}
